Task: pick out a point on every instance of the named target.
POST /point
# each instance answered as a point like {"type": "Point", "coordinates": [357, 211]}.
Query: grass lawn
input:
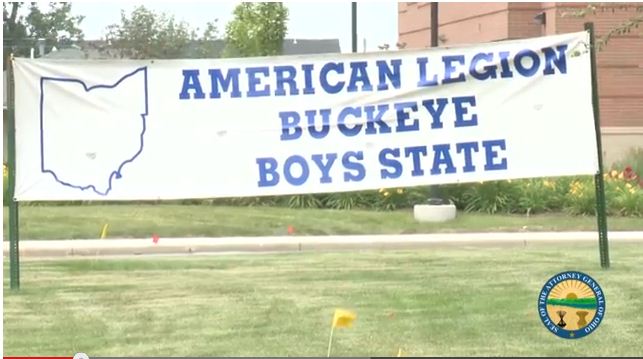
{"type": "Point", "coordinates": [455, 301]}
{"type": "Point", "coordinates": [126, 221]}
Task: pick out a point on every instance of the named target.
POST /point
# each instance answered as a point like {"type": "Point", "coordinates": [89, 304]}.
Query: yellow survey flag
{"type": "Point", "coordinates": [343, 318]}
{"type": "Point", "coordinates": [399, 352]}
{"type": "Point", "coordinates": [103, 232]}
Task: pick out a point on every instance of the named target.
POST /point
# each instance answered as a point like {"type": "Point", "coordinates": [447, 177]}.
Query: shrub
{"type": "Point", "coordinates": [574, 195]}
{"type": "Point", "coordinates": [537, 196]}
{"type": "Point", "coordinates": [249, 201]}
{"type": "Point", "coordinates": [580, 199]}
{"type": "Point", "coordinates": [349, 200]}
{"type": "Point", "coordinates": [455, 193]}
{"type": "Point", "coordinates": [632, 160]}
{"type": "Point", "coordinates": [624, 192]}
{"type": "Point", "coordinates": [392, 198]}
{"type": "Point", "coordinates": [628, 200]}
{"type": "Point", "coordinates": [305, 201]}
{"type": "Point", "coordinates": [489, 197]}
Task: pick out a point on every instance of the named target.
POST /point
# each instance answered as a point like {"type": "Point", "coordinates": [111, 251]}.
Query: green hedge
{"type": "Point", "coordinates": [574, 195]}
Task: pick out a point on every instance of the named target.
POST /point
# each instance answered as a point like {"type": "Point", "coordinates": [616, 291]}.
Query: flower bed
{"type": "Point", "coordinates": [573, 195]}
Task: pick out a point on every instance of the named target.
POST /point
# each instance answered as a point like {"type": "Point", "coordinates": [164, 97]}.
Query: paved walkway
{"type": "Point", "coordinates": [98, 247]}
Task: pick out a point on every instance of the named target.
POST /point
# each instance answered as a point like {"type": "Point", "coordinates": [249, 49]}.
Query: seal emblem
{"type": "Point", "coordinates": [571, 304]}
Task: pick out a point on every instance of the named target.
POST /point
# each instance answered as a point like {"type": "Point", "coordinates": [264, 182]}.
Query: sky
{"type": "Point", "coordinates": [376, 20]}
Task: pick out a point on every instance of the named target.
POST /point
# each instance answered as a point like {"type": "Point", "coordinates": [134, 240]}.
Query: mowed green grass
{"type": "Point", "coordinates": [141, 221]}
{"type": "Point", "coordinates": [456, 301]}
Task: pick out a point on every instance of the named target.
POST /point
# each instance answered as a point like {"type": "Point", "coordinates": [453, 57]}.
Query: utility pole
{"type": "Point", "coordinates": [434, 24]}
{"type": "Point", "coordinates": [354, 24]}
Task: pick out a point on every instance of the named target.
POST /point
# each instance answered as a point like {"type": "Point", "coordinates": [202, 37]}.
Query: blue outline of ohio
{"type": "Point", "coordinates": [115, 174]}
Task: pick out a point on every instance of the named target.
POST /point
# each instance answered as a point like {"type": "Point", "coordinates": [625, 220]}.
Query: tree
{"type": "Point", "coordinates": [145, 34]}
{"type": "Point", "coordinates": [207, 43]}
{"type": "Point", "coordinates": [623, 28]}
{"type": "Point", "coordinates": [57, 27]}
{"type": "Point", "coordinates": [257, 29]}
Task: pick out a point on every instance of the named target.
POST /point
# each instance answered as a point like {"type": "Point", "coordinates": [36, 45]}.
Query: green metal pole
{"type": "Point", "coordinates": [354, 25]}
{"type": "Point", "coordinates": [435, 192]}
{"type": "Point", "coordinates": [601, 212]}
{"type": "Point", "coordinates": [14, 233]}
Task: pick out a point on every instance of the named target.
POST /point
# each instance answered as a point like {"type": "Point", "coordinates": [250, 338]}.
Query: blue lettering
{"type": "Point", "coordinates": [286, 75]}
{"type": "Point", "coordinates": [308, 79]}
{"type": "Point", "coordinates": [559, 60]}
{"type": "Point", "coordinates": [385, 72]}
{"type": "Point", "coordinates": [372, 118]}
{"type": "Point", "coordinates": [468, 148]}
{"type": "Point", "coordinates": [442, 157]}
{"type": "Point", "coordinates": [191, 82]}
{"type": "Point", "coordinates": [325, 168]}
{"type": "Point", "coordinates": [323, 77]}
{"type": "Point", "coordinates": [359, 74]}
{"type": "Point", "coordinates": [449, 69]}
{"type": "Point", "coordinates": [396, 165]}
{"type": "Point", "coordinates": [436, 114]}
{"type": "Point", "coordinates": [231, 79]}
{"type": "Point", "coordinates": [491, 154]}
{"type": "Point", "coordinates": [489, 71]}
{"type": "Point", "coordinates": [341, 119]}
{"type": "Point", "coordinates": [402, 116]}
{"type": "Point", "coordinates": [268, 175]}
{"type": "Point", "coordinates": [305, 171]}
{"type": "Point", "coordinates": [422, 64]}
{"type": "Point", "coordinates": [460, 111]}
{"type": "Point", "coordinates": [325, 113]}
{"type": "Point", "coordinates": [355, 166]}
{"type": "Point", "coordinates": [504, 64]}
{"type": "Point", "coordinates": [416, 152]}
{"type": "Point", "coordinates": [535, 62]}
{"type": "Point", "coordinates": [290, 120]}
{"type": "Point", "coordinates": [253, 81]}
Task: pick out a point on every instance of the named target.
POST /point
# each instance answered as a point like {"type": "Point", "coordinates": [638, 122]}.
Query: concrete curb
{"type": "Point", "coordinates": [111, 247]}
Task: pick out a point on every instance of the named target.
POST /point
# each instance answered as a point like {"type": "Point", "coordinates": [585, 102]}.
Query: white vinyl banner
{"type": "Point", "coordinates": [170, 129]}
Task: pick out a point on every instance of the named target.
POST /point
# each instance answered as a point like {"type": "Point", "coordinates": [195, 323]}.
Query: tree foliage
{"type": "Point", "coordinates": [624, 27]}
{"type": "Point", "coordinates": [145, 34]}
{"type": "Point", "coordinates": [56, 26]}
{"type": "Point", "coordinates": [257, 29]}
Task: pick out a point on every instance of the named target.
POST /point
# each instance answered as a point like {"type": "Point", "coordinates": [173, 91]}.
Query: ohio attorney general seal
{"type": "Point", "coordinates": [571, 305]}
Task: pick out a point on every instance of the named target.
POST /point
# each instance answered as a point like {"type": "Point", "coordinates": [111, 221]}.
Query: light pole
{"type": "Point", "coordinates": [354, 25]}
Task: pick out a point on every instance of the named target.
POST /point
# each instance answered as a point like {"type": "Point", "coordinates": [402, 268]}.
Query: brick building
{"type": "Point", "coordinates": [620, 63]}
